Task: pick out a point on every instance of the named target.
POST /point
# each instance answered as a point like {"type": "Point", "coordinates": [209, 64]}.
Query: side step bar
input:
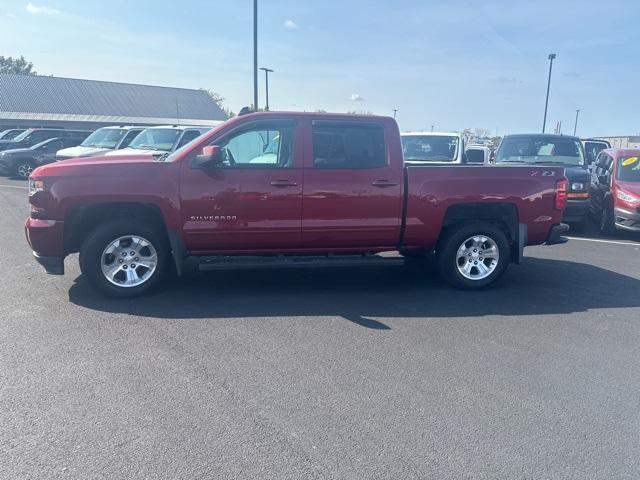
{"type": "Point", "coordinates": [237, 262]}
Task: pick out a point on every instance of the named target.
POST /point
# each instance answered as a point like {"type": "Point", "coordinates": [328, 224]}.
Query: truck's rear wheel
{"type": "Point", "coordinates": [123, 258]}
{"type": "Point", "coordinates": [473, 256]}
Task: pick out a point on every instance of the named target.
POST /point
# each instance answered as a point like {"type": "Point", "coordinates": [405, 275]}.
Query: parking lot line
{"type": "Point", "coordinates": [615, 242]}
{"type": "Point", "coordinates": [15, 186]}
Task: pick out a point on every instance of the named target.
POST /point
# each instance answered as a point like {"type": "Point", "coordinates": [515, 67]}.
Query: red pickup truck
{"type": "Point", "coordinates": [287, 189]}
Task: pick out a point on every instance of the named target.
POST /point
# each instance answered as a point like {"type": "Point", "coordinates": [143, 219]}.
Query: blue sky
{"type": "Point", "coordinates": [452, 64]}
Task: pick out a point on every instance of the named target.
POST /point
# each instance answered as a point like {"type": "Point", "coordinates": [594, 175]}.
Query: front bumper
{"type": "Point", "coordinates": [5, 169]}
{"type": "Point", "coordinates": [46, 239]}
{"type": "Point", "coordinates": [52, 265]}
{"type": "Point", "coordinates": [628, 220]}
{"type": "Point", "coordinates": [556, 234]}
{"type": "Point", "coordinates": [576, 211]}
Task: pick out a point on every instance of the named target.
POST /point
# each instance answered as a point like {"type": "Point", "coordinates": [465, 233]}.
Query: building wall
{"type": "Point", "coordinates": [632, 141]}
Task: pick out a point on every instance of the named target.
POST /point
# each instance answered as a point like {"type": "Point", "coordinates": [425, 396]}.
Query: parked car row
{"type": "Point", "coordinates": [602, 182]}
{"type": "Point", "coordinates": [23, 150]}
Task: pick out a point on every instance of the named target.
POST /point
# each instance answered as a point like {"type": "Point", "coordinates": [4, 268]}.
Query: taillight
{"type": "Point", "coordinates": [561, 194]}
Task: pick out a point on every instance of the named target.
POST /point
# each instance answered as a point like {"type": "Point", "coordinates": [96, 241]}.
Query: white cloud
{"type": "Point", "coordinates": [356, 97]}
{"type": "Point", "coordinates": [291, 25]}
{"type": "Point", "coordinates": [41, 10]}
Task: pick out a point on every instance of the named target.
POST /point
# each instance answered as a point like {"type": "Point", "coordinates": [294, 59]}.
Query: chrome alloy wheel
{"type": "Point", "coordinates": [477, 257]}
{"type": "Point", "coordinates": [24, 170]}
{"type": "Point", "coordinates": [129, 261]}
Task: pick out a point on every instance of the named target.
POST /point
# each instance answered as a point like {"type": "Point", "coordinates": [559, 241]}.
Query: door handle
{"type": "Point", "coordinates": [383, 184]}
{"type": "Point", "coordinates": [283, 183]}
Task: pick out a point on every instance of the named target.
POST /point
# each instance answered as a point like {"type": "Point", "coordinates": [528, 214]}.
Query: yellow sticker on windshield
{"type": "Point", "coordinates": [629, 161]}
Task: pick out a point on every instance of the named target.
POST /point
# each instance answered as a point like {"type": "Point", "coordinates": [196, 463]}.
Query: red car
{"type": "Point", "coordinates": [287, 189]}
{"type": "Point", "coordinates": [615, 190]}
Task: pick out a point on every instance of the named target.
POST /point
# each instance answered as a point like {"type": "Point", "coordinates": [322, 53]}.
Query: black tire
{"type": "Point", "coordinates": [447, 254]}
{"type": "Point", "coordinates": [607, 221]}
{"type": "Point", "coordinates": [578, 227]}
{"type": "Point", "coordinates": [96, 242]}
{"type": "Point", "coordinates": [23, 168]}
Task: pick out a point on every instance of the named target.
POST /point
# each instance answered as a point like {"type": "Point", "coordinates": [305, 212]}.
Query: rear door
{"type": "Point", "coordinates": [253, 200]}
{"type": "Point", "coordinates": [352, 193]}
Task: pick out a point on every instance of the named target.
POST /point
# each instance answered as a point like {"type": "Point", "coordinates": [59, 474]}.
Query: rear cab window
{"type": "Point", "coordinates": [348, 145]}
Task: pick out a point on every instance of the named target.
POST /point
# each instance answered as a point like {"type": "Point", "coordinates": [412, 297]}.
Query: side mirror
{"type": "Point", "coordinates": [211, 155]}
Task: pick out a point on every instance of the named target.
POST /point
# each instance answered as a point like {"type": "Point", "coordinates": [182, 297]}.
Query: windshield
{"type": "Point", "coordinates": [565, 151]}
{"type": "Point", "coordinates": [23, 135]}
{"type": "Point", "coordinates": [156, 139]}
{"type": "Point", "coordinates": [629, 169]}
{"type": "Point", "coordinates": [43, 144]}
{"type": "Point", "coordinates": [104, 138]}
{"type": "Point", "coordinates": [430, 148]}
{"type": "Point", "coordinates": [10, 134]}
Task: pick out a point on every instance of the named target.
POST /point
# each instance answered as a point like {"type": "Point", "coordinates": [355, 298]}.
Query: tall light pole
{"type": "Point", "coordinates": [255, 54]}
{"type": "Point", "coordinates": [267, 71]}
{"type": "Point", "coordinates": [575, 127]}
{"type": "Point", "coordinates": [395, 110]}
{"type": "Point", "coordinates": [552, 57]}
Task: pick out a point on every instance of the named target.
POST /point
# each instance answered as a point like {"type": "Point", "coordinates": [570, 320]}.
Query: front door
{"type": "Point", "coordinates": [252, 200]}
{"type": "Point", "coordinates": [352, 193]}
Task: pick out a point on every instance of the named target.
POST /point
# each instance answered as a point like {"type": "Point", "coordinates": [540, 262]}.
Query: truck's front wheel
{"type": "Point", "coordinates": [123, 258]}
{"type": "Point", "coordinates": [473, 256]}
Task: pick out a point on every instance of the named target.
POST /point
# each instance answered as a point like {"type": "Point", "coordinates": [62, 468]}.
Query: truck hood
{"type": "Point", "coordinates": [81, 151]}
{"type": "Point", "coordinates": [133, 151]}
{"type": "Point", "coordinates": [87, 166]}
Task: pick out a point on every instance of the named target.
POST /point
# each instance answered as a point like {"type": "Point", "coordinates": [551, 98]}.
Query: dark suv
{"type": "Point", "coordinates": [33, 136]}
{"type": "Point", "coordinates": [20, 162]}
{"type": "Point", "coordinates": [553, 150]}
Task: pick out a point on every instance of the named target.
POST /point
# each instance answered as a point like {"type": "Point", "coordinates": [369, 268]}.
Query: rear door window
{"type": "Point", "coordinates": [348, 145]}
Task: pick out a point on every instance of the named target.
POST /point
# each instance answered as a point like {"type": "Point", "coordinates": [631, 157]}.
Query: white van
{"type": "Point", "coordinates": [101, 141]}
{"type": "Point", "coordinates": [433, 147]}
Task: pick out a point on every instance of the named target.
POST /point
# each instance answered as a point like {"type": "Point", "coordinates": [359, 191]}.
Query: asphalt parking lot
{"type": "Point", "coordinates": [350, 373]}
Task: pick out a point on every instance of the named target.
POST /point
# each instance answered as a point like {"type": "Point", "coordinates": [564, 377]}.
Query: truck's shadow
{"type": "Point", "coordinates": [537, 287]}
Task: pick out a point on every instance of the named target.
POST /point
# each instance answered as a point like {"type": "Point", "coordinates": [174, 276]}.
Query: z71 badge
{"type": "Point", "coordinates": [212, 218]}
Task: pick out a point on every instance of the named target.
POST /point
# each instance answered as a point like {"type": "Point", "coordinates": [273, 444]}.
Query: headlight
{"type": "Point", "coordinates": [35, 186]}
{"type": "Point", "coordinates": [625, 197]}
{"type": "Point", "coordinates": [577, 186]}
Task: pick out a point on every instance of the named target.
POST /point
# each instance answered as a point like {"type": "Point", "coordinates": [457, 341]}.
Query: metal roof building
{"type": "Point", "coordinates": [35, 100]}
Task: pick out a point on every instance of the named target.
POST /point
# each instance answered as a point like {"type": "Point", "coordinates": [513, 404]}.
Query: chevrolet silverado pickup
{"type": "Point", "coordinates": [292, 190]}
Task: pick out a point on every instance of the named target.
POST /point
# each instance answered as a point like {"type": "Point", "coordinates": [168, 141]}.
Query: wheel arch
{"type": "Point", "coordinates": [81, 219]}
{"type": "Point", "coordinates": [503, 215]}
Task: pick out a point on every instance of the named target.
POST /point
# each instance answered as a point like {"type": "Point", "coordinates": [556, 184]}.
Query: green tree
{"type": "Point", "coordinates": [219, 100]}
{"type": "Point", "coordinates": [18, 66]}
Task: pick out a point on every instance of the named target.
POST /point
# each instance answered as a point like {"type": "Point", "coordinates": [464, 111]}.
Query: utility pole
{"type": "Point", "coordinates": [552, 57]}
{"type": "Point", "coordinates": [575, 127]}
{"type": "Point", "coordinates": [255, 54]}
{"type": "Point", "coordinates": [432, 128]}
{"type": "Point", "coordinates": [267, 71]}
{"type": "Point", "coordinates": [395, 110]}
